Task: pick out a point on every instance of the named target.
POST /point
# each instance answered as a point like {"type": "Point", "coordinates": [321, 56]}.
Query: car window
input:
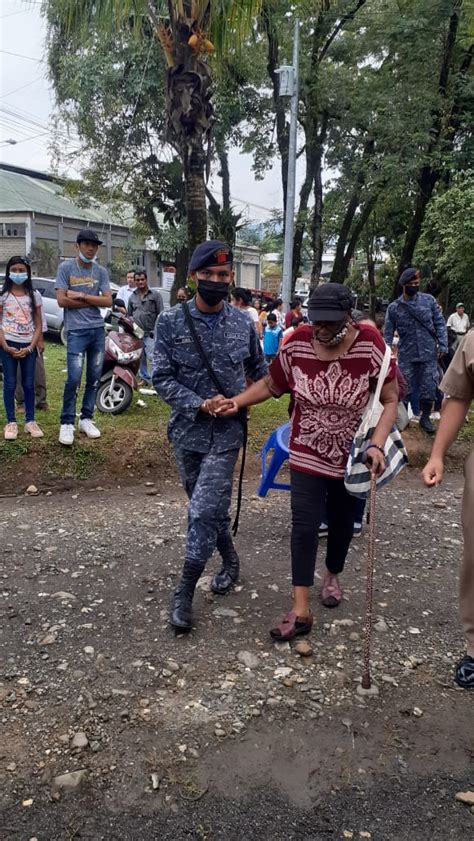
{"type": "Point", "coordinates": [45, 287]}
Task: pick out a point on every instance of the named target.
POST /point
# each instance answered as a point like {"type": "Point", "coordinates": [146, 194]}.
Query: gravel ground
{"type": "Point", "coordinates": [223, 734]}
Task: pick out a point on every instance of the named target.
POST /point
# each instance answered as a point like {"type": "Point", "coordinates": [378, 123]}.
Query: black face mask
{"type": "Point", "coordinates": [213, 292]}
{"type": "Point", "coordinates": [411, 290]}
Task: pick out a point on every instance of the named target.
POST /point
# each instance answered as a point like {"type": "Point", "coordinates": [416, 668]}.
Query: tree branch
{"type": "Point", "coordinates": [345, 19]}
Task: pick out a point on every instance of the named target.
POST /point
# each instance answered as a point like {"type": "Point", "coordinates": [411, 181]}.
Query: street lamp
{"type": "Point", "coordinates": [8, 142]}
{"type": "Point", "coordinates": [289, 87]}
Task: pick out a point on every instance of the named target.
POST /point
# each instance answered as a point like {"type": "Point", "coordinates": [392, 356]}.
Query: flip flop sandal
{"type": "Point", "coordinates": [291, 626]}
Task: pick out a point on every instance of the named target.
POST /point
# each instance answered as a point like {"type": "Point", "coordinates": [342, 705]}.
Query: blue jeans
{"type": "Point", "coordinates": [27, 368]}
{"type": "Point", "coordinates": [146, 357]}
{"type": "Point", "coordinates": [89, 344]}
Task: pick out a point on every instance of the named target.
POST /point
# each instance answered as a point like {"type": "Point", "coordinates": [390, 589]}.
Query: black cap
{"type": "Point", "coordinates": [408, 275]}
{"type": "Point", "coordinates": [329, 302]}
{"type": "Point", "coordinates": [88, 235]}
{"type": "Point", "coordinates": [210, 253]}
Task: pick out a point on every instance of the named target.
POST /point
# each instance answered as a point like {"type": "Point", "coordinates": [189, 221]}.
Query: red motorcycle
{"type": "Point", "coordinates": [123, 350]}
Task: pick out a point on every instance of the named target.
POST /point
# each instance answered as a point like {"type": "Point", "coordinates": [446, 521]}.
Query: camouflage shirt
{"type": "Point", "coordinates": [180, 378]}
{"type": "Point", "coordinates": [420, 325]}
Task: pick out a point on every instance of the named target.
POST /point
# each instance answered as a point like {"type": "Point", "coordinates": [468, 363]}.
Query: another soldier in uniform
{"type": "Point", "coordinates": [206, 446]}
{"type": "Point", "coordinates": [458, 385]}
{"type": "Point", "coordinates": [423, 337]}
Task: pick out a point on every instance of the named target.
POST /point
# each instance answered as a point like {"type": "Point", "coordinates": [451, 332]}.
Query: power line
{"type": "Point", "coordinates": [18, 55]}
{"type": "Point", "coordinates": [15, 90]}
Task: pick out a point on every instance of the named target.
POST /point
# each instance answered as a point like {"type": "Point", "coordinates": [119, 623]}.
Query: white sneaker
{"type": "Point", "coordinates": [89, 428]}
{"type": "Point", "coordinates": [66, 434]}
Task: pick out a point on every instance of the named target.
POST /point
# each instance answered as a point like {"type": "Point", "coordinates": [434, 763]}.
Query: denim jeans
{"type": "Point", "coordinates": [88, 344]}
{"type": "Point", "coordinates": [27, 368]}
{"type": "Point", "coordinates": [146, 357]}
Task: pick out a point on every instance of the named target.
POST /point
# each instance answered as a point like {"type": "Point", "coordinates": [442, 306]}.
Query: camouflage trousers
{"type": "Point", "coordinates": [207, 480]}
{"type": "Point", "coordinates": [422, 378]}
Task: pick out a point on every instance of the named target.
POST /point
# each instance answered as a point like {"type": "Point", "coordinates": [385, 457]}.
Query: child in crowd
{"type": "Point", "coordinates": [272, 336]}
{"type": "Point", "coordinates": [20, 332]}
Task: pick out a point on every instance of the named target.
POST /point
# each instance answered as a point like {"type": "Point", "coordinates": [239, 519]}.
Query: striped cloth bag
{"type": "Point", "coordinates": [357, 475]}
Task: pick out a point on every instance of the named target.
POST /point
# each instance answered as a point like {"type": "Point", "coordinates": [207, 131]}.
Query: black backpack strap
{"type": "Point", "coordinates": [241, 415]}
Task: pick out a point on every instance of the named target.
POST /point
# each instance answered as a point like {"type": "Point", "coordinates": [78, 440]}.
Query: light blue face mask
{"type": "Point", "coordinates": [87, 259]}
{"type": "Point", "coordinates": [19, 277]}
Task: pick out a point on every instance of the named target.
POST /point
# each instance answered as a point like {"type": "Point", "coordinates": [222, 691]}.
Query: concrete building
{"type": "Point", "coordinates": [37, 220]}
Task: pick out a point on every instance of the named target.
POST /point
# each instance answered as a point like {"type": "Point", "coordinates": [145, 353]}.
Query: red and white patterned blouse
{"type": "Point", "coordinates": [328, 397]}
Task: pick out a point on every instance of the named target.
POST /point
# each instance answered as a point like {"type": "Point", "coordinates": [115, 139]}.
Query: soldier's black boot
{"type": "Point", "coordinates": [225, 579]}
{"type": "Point", "coordinates": [425, 420]}
{"type": "Point", "coordinates": [181, 606]}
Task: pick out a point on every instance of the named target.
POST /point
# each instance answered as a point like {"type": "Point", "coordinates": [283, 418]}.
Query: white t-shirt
{"type": "Point", "coordinates": [458, 323]}
{"type": "Point", "coordinates": [253, 315]}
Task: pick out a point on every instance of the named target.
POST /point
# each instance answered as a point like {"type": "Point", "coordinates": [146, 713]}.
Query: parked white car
{"type": "Point", "coordinates": [54, 313]}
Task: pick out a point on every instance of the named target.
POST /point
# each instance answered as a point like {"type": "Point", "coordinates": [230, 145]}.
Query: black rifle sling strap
{"type": "Point", "coordinates": [416, 317]}
{"type": "Point", "coordinates": [241, 415]}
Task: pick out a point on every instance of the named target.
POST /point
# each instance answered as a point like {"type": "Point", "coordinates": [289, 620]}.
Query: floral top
{"type": "Point", "coordinates": [16, 316]}
{"type": "Point", "coordinates": [328, 397]}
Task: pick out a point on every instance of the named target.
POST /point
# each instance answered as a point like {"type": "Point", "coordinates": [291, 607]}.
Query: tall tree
{"type": "Point", "coordinates": [183, 28]}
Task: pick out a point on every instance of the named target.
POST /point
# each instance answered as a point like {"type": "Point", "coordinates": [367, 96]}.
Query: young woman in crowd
{"type": "Point", "coordinates": [20, 332]}
{"type": "Point", "coordinates": [330, 368]}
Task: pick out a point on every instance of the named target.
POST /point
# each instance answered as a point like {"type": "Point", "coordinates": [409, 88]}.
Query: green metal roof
{"type": "Point", "coordinates": [20, 192]}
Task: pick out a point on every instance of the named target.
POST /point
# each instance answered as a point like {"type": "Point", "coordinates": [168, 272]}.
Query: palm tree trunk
{"type": "Point", "coordinates": [195, 186]}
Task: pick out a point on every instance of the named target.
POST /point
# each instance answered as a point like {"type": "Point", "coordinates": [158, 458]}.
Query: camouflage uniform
{"type": "Point", "coordinates": [206, 448]}
{"type": "Point", "coordinates": [419, 345]}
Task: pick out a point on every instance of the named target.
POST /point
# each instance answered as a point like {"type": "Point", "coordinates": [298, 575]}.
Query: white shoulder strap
{"type": "Point", "coordinates": [383, 373]}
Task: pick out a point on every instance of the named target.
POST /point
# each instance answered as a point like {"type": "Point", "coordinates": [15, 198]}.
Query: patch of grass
{"type": "Point", "coordinates": [13, 451]}
{"type": "Point", "coordinates": [136, 437]}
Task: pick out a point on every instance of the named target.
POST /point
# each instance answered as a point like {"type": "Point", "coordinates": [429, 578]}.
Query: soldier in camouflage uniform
{"type": "Point", "coordinates": [206, 445]}
{"type": "Point", "coordinates": [423, 338]}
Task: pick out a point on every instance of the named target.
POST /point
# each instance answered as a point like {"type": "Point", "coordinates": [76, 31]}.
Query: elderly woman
{"type": "Point", "coordinates": [329, 367]}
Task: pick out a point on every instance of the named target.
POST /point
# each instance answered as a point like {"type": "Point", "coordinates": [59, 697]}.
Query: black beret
{"type": "Point", "coordinates": [210, 253]}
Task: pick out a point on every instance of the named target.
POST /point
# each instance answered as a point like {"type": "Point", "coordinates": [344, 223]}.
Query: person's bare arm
{"type": "Point", "coordinates": [68, 299]}
{"type": "Point", "coordinates": [389, 401]}
{"type": "Point", "coordinates": [453, 414]}
{"type": "Point", "coordinates": [375, 455]}
{"type": "Point", "coordinates": [38, 322]}
{"type": "Point", "coordinates": [256, 393]}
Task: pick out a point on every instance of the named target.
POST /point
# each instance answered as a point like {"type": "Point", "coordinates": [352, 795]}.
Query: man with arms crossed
{"type": "Point", "coordinates": [82, 288]}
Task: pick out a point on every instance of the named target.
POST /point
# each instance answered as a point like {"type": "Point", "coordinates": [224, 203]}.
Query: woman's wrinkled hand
{"type": "Point", "coordinates": [375, 461]}
{"type": "Point", "coordinates": [227, 409]}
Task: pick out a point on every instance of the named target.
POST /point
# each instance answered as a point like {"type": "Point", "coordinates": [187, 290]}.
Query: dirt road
{"type": "Point", "coordinates": [222, 734]}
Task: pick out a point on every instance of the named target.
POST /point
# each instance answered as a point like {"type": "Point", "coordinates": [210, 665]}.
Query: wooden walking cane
{"type": "Point", "coordinates": [366, 685]}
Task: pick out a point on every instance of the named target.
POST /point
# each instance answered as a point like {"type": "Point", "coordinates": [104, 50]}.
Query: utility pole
{"type": "Point", "coordinates": [289, 87]}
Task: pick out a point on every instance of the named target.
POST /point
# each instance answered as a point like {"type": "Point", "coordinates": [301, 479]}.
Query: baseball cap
{"type": "Point", "coordinates": [88, 235]}
{"type": "Point", "coordinates": [329, 302]}
{"type": "Point", "coordinates": [210, 253]}
{"type": "Point", "coordinates": [459, 305]}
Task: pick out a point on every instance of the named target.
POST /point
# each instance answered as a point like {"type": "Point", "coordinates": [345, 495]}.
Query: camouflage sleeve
{"type": "Point", "coordinates": [255, 365]}
{"type": "Point", "coordinates": [389, 326]}
{"type": "Point", "coordinates": [440, 327]}
{"type": "Point", "coordinates": [164, 377]}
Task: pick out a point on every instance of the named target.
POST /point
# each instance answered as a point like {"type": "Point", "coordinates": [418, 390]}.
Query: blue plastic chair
{"type": "Point", "coordinates": [278, 442]}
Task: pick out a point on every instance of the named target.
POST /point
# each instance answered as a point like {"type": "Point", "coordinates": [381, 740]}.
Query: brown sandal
{"type": "Point", "coordinates": [291, 626]}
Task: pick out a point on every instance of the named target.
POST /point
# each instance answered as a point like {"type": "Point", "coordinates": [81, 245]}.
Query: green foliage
{"type": "Point", "coordinates": [447, 242]}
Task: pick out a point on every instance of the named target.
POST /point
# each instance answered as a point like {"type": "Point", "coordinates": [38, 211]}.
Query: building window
{"type": "Point", "coordinates": [12, 229]}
